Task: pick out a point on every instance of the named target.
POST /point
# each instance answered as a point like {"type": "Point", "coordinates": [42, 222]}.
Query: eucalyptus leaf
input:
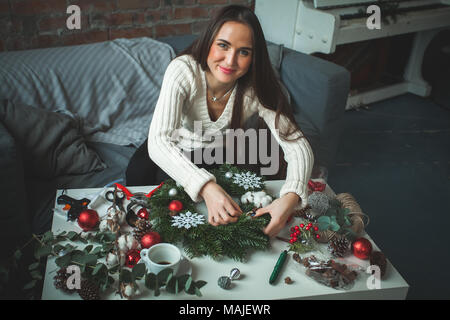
{"type": "Point", "coordinates": [331, 212]}
{"type": "Point", "coordinates": [58, 248]}
{"type": "Point", "coordinates": [33, 266]}
{"type": "Point", "coordinates": [61, 234]}
{"type": "Point", "coordinates": [138, 270]}
{"type": "Point", "coordinates": [17, 254]}
{"type": "Point", "coordinates": [188, 284]}
{"type": "Point", "coordinates": [4, 274]}
{"type": "Point", "coordinates": [334, 225]}
{"type": "Point", "coordinates": [83, 240]}
{"type": "Point", "coordinates": [88, 248]}
{"type": "Point", "coordinates": [72, 235]}
{"type": "Point", "coordinates": [78, 256]}
{"type": "Point", "coordinates": [323, 222]}
{"type": "Point", "coordinates": [126, 276]}
{"type": "Point", "coordinates": [90, 259]}
{"type": "Point", "coordinates": [335, 203]}
{"type": "Point", "coordinates": [151, 281]}
{"type": "Point", "coordinates": [69, 247]}
{"type": "Point", "coordinates": [108, 237]}
{"type": "Point", "coordinates": [347, 221]}
{"type": "Point", "coordinates": [35, 274]}
{"type": "Point", "coordinates": [64, 260]}
{"type": "Point", "coordinates": [197, 292]}
{"type": "Point", "coordinates": [199, 284]}
{"type": "Point", "coordinates": [43, 251]}
{"type": "Point", "coordinates": [182, 280]}
{"type": "Point", "coordinates": [164, 276]}
{"type": "Point", "coordinates": [48, 236]}
{"type": "Point", "coordinates": [172, 285]}
{"type": "Point", "coordinates": [176, 286]}
{"type": "Point", "coordinates": [30, 285]}
{"type": "Point", "coordinates": [99, 269]}
{"type": "Point", "coordinates": [97, 250]}
{"type": "Point", "coordinates": [114, 269]}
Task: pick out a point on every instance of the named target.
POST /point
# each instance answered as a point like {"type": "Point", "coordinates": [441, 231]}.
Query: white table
{"type": "Point", "coordinates": [255, 273]}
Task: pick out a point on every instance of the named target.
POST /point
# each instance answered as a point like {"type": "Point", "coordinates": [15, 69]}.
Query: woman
{"type": "Point", "coordinates": [220, 81]}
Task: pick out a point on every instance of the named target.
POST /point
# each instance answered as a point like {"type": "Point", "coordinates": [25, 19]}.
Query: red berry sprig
{"type": "Point", "coordinates": [309, 230]}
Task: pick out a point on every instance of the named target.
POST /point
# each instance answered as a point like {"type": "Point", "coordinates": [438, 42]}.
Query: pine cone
{"type": "Point", "coordinates": [339, 246]}
{"type": "Point", "coordinates": [142, 227]}
{"type": "Point", "coordinates": [89, 290]}
{"type": "Point", "coordinates": [60, 281]}
{"type": "Point", "coordinates": [310, 216]}
{"type": "Point", "coordinates": [306, 213]}
{"type": "Point", "coordinates": [301, 213]}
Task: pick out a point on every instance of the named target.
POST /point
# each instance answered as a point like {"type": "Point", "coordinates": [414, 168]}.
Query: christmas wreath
{"type": "Point", "coordinates": [174, 216]}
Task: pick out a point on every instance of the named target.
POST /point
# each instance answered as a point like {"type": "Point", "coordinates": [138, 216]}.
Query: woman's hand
{"type": "Point", "coordinates": [280, 210]}
{"type": "Point", "coordinates": [221, 207]}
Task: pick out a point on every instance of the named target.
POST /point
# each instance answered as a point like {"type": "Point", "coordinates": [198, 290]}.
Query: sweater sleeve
{"type": "Point", "coordinates": [175, 90]}
{"type": "Point", "coordinates": [298, 155]}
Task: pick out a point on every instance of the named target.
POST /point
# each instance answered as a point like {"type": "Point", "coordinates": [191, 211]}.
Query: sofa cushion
{"type": "Point", "coordinates": [113, 85]}
{"type": "Point", "coordinates": [51, 142]}
{"type": "Point", "coordinates": [41, 194]}
{"type": "Point", "coordinates": [14, 218]}
{"type": "Point", "coordinates": [275, 55]}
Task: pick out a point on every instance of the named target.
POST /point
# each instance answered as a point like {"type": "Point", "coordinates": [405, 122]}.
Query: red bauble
{"type": "Point", "coordinates": [143, 213]}
{"type": "Point", "coordinates": [362, 248]}
{"type": "Point", "coordinates": [149, 239]}
{"type": "Point", "coordinates": [88, 219]}
{"type": "Point", "coordinates": [132, 258]}
{"type": "Point", "coordinates": [175, 205]}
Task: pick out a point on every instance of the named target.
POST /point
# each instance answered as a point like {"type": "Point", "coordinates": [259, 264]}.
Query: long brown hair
{"type": "Point", "coordinates": [260, 76]}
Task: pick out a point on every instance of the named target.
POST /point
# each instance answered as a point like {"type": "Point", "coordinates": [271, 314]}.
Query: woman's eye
{"type": "Point", "coordinates": [222, 45]}
{"type": "Point", "coordinates": [245, 52]}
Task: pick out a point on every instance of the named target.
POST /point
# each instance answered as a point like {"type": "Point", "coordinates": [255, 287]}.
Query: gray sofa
{"type": "Point", "coordinates": [71, 117]}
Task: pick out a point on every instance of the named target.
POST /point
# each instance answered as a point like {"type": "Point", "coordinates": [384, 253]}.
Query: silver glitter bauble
{"type": "Point", "coordinates": [224, 282]}
{"type": "Point", "coordinates": [319, 203]}
{"type": "Point", "coordinates": [235, 274]}
{"type": "Point", "coordinates": [228, 175]}
{"type": "Point", "coordinates": [173, 192]}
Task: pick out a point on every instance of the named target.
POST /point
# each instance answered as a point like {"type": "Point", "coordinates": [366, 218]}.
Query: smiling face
{"type": "Point", "coordinates": [230, 55]}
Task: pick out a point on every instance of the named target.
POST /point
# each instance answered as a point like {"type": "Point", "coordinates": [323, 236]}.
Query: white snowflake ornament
{"type": "Point", "coordinates": [247, 180]}
{"type": "Point", "coordinates": [187, 220]}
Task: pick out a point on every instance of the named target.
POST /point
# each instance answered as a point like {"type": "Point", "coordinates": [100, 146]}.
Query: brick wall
{"type": "Point", "coordinates": [27, 24]}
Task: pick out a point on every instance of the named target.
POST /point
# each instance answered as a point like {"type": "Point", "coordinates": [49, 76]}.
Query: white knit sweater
{"type": "Point", "coordinates": [182, 101]}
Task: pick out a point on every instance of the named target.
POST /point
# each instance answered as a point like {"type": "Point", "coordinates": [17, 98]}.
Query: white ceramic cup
{"type": "Point", "coordinates": [161, 256]}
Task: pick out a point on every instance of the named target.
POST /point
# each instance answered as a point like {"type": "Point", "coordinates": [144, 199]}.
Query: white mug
{"type": "Point", "coordinates": [161, 256]}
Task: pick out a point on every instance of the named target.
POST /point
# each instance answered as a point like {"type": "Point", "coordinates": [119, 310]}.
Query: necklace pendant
{"type": "Point", "coordinates": [214, 99]}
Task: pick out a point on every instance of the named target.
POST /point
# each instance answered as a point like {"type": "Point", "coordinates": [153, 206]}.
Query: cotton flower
{"type": "Point", "coordinates": [129, 290]}
{"type": "Point", "coordinates": [127, 242]}
{"type": "Point", "coordinates": [259, 198]}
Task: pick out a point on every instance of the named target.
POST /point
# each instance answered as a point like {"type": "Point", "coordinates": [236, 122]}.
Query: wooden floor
{"type": "Point", "coordinates": [394, 157]}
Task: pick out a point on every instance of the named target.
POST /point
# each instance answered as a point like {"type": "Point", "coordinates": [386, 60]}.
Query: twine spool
{"type": "Point", "coordinates": [325, 236]}
{"type": "Point", "coordinates": [356, 215]}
